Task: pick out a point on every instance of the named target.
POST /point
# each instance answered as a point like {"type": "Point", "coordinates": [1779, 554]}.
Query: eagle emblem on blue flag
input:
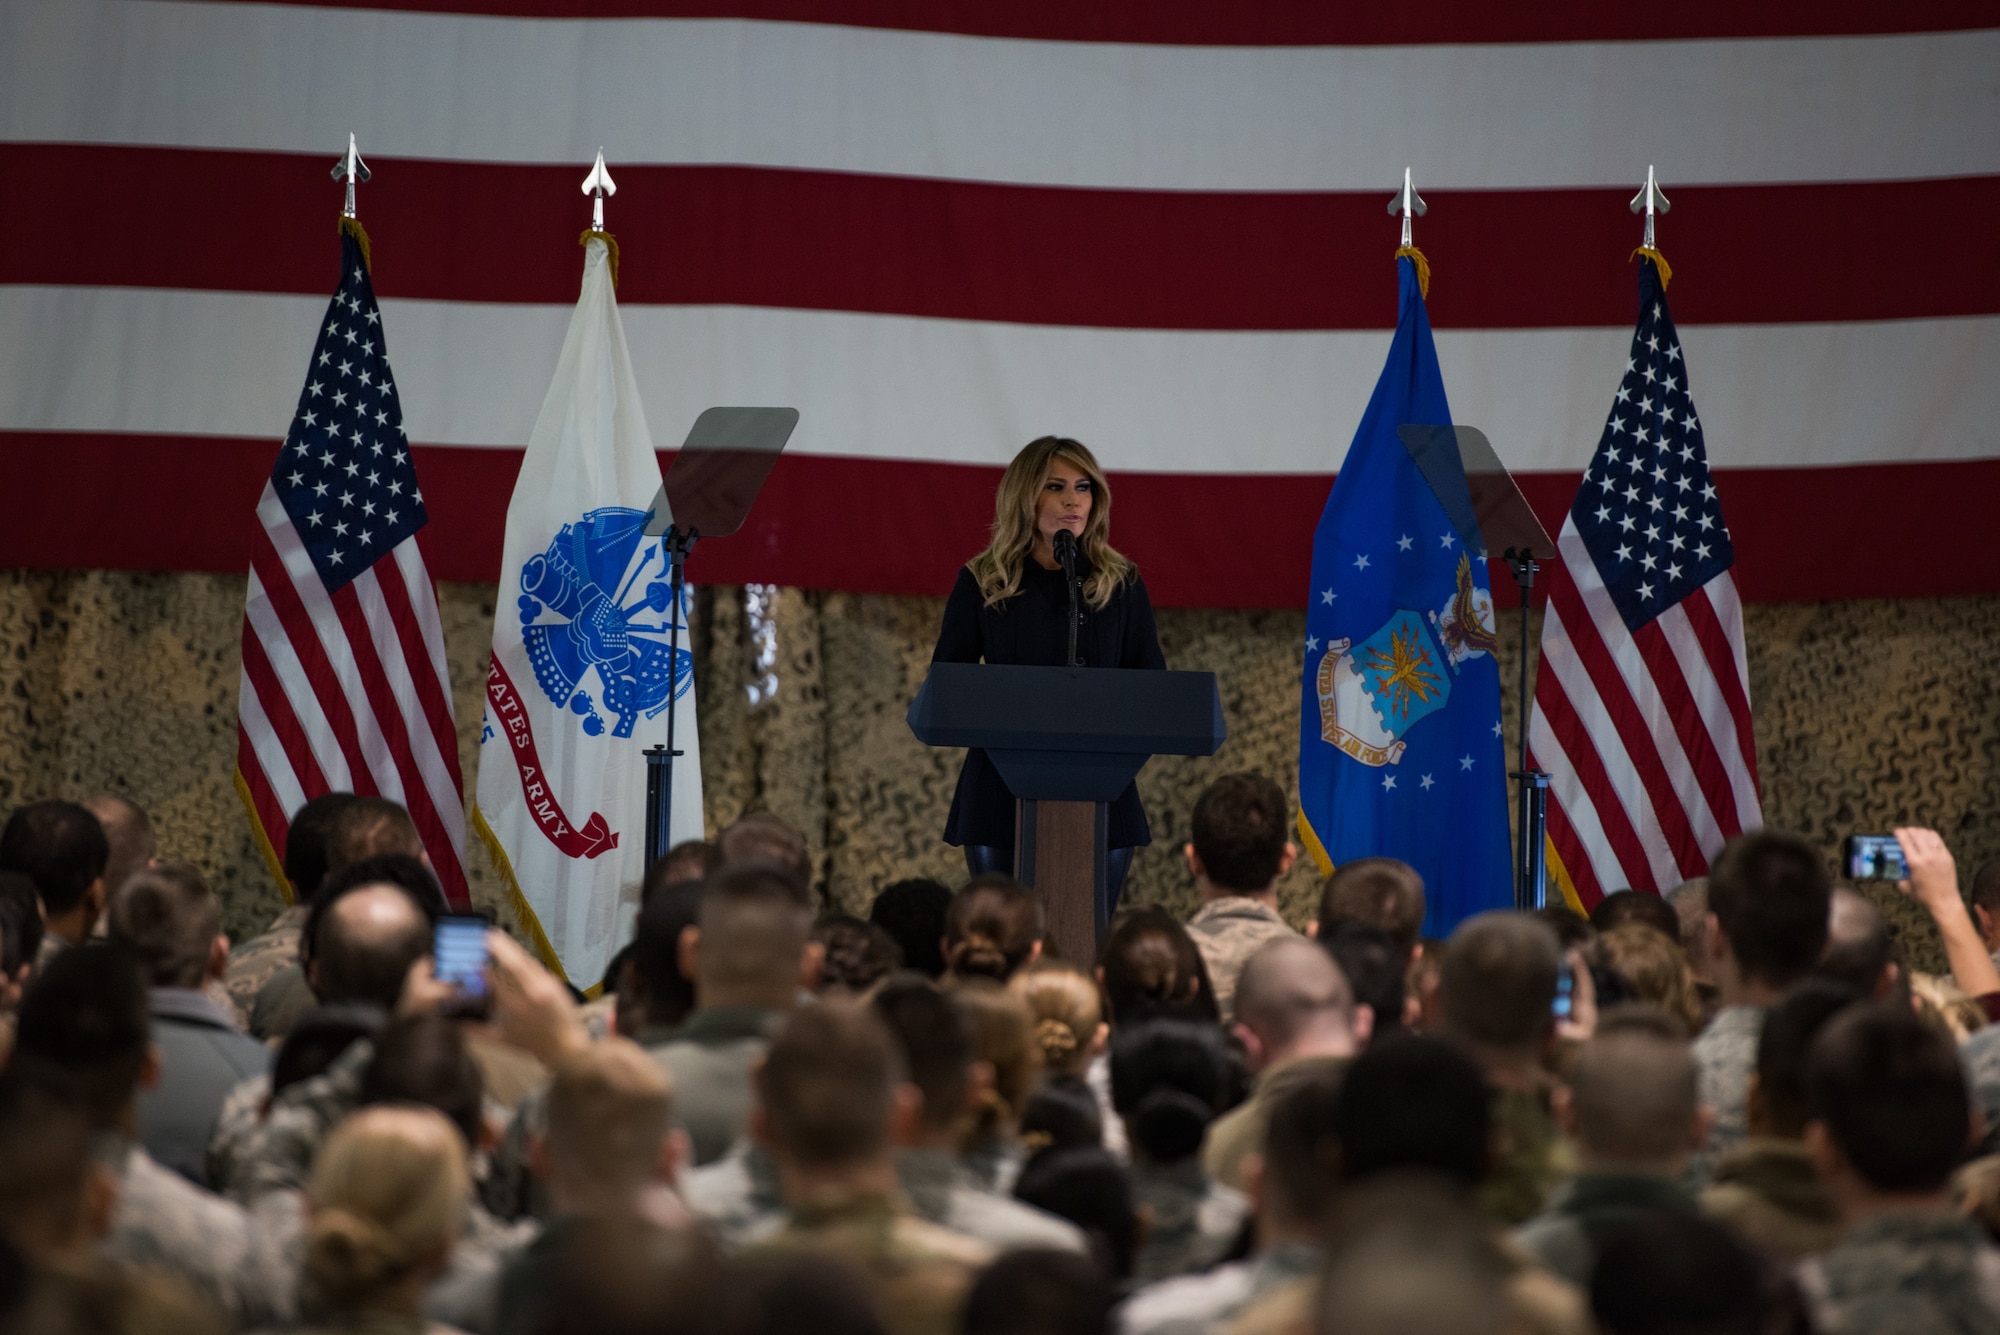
{"type": "Point", "coordinates": [588, 605]}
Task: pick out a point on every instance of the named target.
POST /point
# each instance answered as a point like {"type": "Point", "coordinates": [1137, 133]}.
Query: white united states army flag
{"type": "Point", "coordinates": [577, 688]}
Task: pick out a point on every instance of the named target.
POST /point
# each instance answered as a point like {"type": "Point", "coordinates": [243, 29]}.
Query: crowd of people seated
{"type": "Point", "coordinates": [1732, 1110]}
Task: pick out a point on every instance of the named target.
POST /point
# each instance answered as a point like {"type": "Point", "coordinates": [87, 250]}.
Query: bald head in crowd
{"type": "Point", "coordinates": [1859, 950]}
{"type": "Point", "coordinates": [1497, 987]}
{"type": "Point", "coordinates": [366, 940]}
{"type": "Point", "coordinates": [1292, 999]}
{"type": "Point", "coordinates": [751, 945]}
{"type": "Point", "coordinates": [1633, 1104]}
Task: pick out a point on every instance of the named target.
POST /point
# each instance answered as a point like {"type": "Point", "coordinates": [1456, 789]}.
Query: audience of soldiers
{"type": "Point", "coordinates": [1732, 1110]}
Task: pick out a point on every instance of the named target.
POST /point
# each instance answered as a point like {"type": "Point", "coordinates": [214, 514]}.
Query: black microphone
{"type": "Point", "coordinates": [1065, 549]}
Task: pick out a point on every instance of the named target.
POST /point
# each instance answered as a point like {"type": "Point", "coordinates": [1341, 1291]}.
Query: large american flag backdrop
{"type": "Point", "coordinates": [939, 228]}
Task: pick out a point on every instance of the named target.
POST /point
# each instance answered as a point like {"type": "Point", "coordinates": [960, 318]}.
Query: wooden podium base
{"type": "Point", "coordinates": [1059, 853]}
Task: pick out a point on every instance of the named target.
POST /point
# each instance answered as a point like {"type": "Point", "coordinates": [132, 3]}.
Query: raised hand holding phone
{"type": "Point", "coordinates": [1933, 882]}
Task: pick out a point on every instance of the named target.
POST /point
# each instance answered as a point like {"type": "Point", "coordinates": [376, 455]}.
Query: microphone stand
{"type": "Point", "coordinates": [1066, 553]}
{"type": "Point", "coordinates": [660, 759]}
{"type": "Point", "coordinates": [1531, 871]}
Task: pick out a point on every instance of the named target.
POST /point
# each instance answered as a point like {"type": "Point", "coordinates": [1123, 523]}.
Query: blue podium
{"type": "Point", "coordinates": [1066, 742]}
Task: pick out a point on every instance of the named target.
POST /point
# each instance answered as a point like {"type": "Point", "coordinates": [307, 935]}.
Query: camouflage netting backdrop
{"type": "Point", "coordinates": [1868, 714]}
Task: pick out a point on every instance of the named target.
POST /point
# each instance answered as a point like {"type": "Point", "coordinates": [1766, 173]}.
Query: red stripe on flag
{"type": "Point", "coordinates": [1566, 724]}
{"type": "Point", "coordinates": [1641, 753]}
{"type": "Point", "coordinates": [1670, 685]}
{"type": "Point", "coordinates": [278, 712]}
{"type": "Point", "coordinates": [979, 251]}
{"type": "Point", "coordinates": [1722, 654]}
{"type": "Point", "coordinates": [431, 698]}
{"type": "Point", "coordinates": [1582, 874]}
{"type": "Point", "coordinates": [304, 638]}
{"type": "Point", "coordinates": [270, 813]}
{"type": "Point", "coordinates": [1267, 23]}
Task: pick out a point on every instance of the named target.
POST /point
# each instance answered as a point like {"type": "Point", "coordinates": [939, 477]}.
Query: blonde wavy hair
{"type": "Point", "coordinates": [1653, 963]}
{"type": "Point", "coordinates": [388, 1196]}
{"type": "Point", "coordinates": [998, 568]}
{"type": "Point", "coordinates": [1067, 1011]}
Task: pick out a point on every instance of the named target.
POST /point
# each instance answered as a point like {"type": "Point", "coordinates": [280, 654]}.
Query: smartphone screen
{"type": "Point", "coordinates": [1565, 992]}
{"type": "Point", "coordinates": [458, 957]}
{"type": "Point", "coordinates": [1874, 857]}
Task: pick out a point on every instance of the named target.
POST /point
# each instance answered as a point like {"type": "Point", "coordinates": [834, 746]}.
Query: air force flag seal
{"type": "Point", "coordinates": [583, 656]}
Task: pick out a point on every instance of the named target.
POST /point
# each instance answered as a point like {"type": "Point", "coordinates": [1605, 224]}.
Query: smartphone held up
{"type": "Point", "coordinates": [459, 956]}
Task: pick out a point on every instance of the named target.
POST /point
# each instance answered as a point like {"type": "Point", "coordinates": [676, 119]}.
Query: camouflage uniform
{"type": "Point", "coordinates": [253, 963]}
{"type": "Point", "coordinates": [737, 1197]}
{"type": "Point", "coordinates": [1196, 1304]}
{"type": "Point", "coordinates": [281, 1003]}
{"type": "Point", "coordinates": [1538, 1304]}
{"type": "Point", "coordinates": [1901, 1274]}
{"type": "Point", "coordinates": [1586, 1210]}
{"type": "Point", "coordinates": [917, 1272]}
{"type": "Point", "coordinates": [1766, 1190]}
{"type": "Point", "coordinates": [1239, 1132]}
{"type": "Point", "coordinates": [163, 1220]}
{"type": "Point", "coordinates": [1980, 1055]}
{"type": "Point", "coordinates": [1195, 1221]}
{"type": "Point", "coordinates": [710, 1056]}
{"type": "Point", "coordinates": [1726, 1056]}
{"type": "Point", "coordinates": [1228, 930]}
{"type": "Point", "coordinates": [1530, 1158]}
{"type": "Point", "coordinates": [278, 1154]}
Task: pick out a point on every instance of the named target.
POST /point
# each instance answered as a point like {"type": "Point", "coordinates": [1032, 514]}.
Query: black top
{"type": "Point", "coordinates": [1030, 629]}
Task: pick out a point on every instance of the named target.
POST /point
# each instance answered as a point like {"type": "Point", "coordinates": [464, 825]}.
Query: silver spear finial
{"type": "Point", "coordinates": [1408, 203]}
{"type": "Point", "coordinates": [597, 185]}
{"type": "Point", "coordinates": [1651, 200]}
{"type": "Point", "coordinates": [350, 168]}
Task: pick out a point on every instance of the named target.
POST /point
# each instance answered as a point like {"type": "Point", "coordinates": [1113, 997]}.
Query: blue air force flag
{"type": "Point", "coordinates": [1400, 753]}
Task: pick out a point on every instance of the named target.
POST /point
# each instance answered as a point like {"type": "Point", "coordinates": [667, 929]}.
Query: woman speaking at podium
{"type": "Point", "coordinates": [1011, 605]}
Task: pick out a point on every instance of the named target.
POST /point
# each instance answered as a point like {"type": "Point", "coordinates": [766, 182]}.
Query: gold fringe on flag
{"type": "Point", "coordinates": [352, 227]}
{"type": "Point", "coordinates": [1659, 262]}
{"type": "Point", "coordinates": [1423, 268]}
{"type": "Point", "coordinates": [610, 244]}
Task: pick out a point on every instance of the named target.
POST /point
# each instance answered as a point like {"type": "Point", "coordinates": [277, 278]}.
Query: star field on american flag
{"type": "Point", "coordinates": [1647, 509]}
{"type": "Point", "coordinates": [344, 475]}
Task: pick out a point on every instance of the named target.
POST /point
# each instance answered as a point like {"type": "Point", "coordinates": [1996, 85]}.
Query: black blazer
{"type": "Point", "coordinates": [1030, 629]}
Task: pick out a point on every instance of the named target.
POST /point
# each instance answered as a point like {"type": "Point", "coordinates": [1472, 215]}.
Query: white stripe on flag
{"type": "Point", "coordinates": [278, 774]}
{"type": "Point", "coordinates": [1700, 675]}
{"type": "Point", "coordinates": [300, 697]}
{"type": "Point", "coordinates": [394, 656]}
{"type": "Point", "coordinates": [1576, 805]}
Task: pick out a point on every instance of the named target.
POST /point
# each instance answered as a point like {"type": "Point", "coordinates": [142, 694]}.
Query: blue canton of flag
{"type": "Point", "coordinates": [1400, 753]}
{"type": "Point", "coordinates": [344, 475]}
{"type": "Point", "coordinates": [1647, 509]}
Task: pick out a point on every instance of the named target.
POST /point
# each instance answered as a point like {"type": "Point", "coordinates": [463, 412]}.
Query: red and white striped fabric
{"type": "Point", "coordinates": [940, 229]}
{"type": "Point", "coordinates": [345, 683]}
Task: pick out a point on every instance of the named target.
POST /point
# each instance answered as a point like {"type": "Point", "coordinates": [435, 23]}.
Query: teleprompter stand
{"type": "Point", "coordinates": [707, 492]}
{"type": "Point", "coordinates": [1067, 741]}
{"type": "Point", "coordinates": [1489, 514]}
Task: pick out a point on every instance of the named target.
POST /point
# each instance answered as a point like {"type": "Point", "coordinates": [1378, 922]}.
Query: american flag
{"type": "Point", "coordinates": [1642, 702]}
{"type": "Point", "coordinates": [345, 687]}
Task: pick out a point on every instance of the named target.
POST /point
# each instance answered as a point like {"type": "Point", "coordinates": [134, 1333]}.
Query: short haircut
{"type": "Point", "coordinates": [765, 836]}
{"type": "Point", "coordinates": [1375, 968]}
{"type": "Point", "coordinates": [1498, 981]}
{"type": "Point", "coordinates": [1653, 966]}
{"type": "Point", "coordinates": [1784, 1043]}
{"type": "Point", "coordinates": [688, 860]}
{"type": "Point", "coordinates": [367, 827]}
{"type": "Point", "coordinates": [1288, 985]}
{"type": "Point", "coordinates": [1414, 1104]}
{"type": "Point", "coordinates": [914, 912]}
{"type": "Point", "coordinates": [828, 1084]}
{"type": "Point", "coordinates": [1859, 947]}
{"type": "Point", "coordinates": [654, 957]}
{"type": "Point", "coordinates": [1384, 892]}
{"type": "Point", "coordinates": [83, 1028]}
{"type": "Point", "coordinates": [1689, 901]}
{"type": "Point", "coordinates": [1039, 1291]}
{"type": "Point", "coordinates": [1892, 1094]}
{"type": "Point", "coordinates": [1633, 1087]}
{"type": "Point", "coordinates": [1408, 1254]}
{"type": "Point", "coordinates": [1985, 886]}
{"type": "Point", "coordinates": [610, 1108]}
{"type": "Point", "coordinates": [992, 928]}
{"type": "Point", "coordinates": [60, 847]}
{"type": "Point", "coordinates": [1151, 965]}
{"type": "Point", "coordinates": [935, 1037]}
{"type": "Point", "coordinates": [1302, 1147]}
{"type": "Point", "coordinates": [858, 954]}
{"type": "Point", "coordinates": [170, 919]}
{"type": "Point", "coordinates": [351, 965]}
{"type": "Point", "coordinates": [754, 927]}
{"type": "Point", "coordinates": [306, 843]}
{"type": "Point", "coordinates": [1238, 830]}
{"type": "Point", "coordinates": [1168, 1079]}
{"type": "Point", "coordinates": [422, 1059]}
{"type": "Point", "coordinates": [1674, 1272]}
{"type": "Point", "coordinates": [1769, 891]}
{"type": "Point", "coordinates": [626, 1276]}
{"type": "Point", "coordinates": [1061, 1109]}
{"type": "Point", "coordinates": [129, 832]}
{"type": "Point", "coordinates": [1089, 1187]}
{"type": "Point", "coordinates": [20, 922]}
{"type": "Point", "coordinates": [1623, 906]}
{"type": "Point", "coordinates": [1571, 928]}
{"type": "Point", "coordinates": [319, 1036]}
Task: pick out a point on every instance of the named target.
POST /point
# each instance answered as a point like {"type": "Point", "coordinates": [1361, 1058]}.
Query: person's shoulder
{"type": "Point", "coordinates": [1184, 1300]}
{"type": "Point", "coordinates": [1007, 1223]}
{"type": "Point", "coordinates": [1283, 1311]}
